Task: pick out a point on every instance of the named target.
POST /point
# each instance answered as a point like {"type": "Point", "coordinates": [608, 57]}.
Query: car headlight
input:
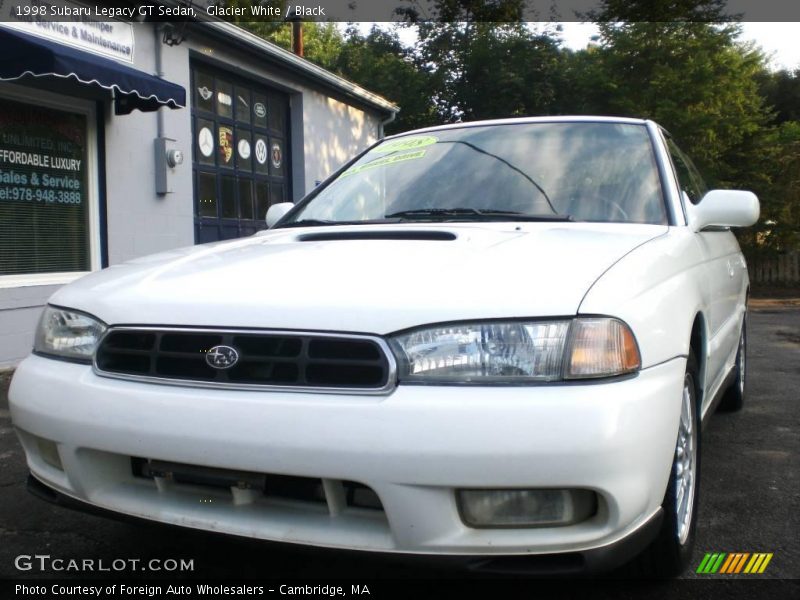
{"type": "Point", "coordinates": [517, 351]}
{"type": "Point", "coordinates": [68, 334]}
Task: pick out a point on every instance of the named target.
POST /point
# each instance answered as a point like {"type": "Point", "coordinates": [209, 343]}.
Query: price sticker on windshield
{"type": "Point", "coordinates": [385, 161]}
{"type": "Point", "coordinates": [407, 143]}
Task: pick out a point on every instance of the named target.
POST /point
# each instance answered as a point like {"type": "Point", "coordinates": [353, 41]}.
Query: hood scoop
{"type": "Point", "coordinates": [332, 236]}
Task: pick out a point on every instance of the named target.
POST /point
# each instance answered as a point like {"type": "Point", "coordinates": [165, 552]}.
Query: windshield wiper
{"type": "Point", "coordinates": [324, 222]}
{"type": "Point", "coordinates": [447, 214]}
{"type": "Point", "coordinates": [308, 223]}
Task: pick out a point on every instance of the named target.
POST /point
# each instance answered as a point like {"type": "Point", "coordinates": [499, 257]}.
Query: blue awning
{"type": "Point", "coordinates": [23, 56]}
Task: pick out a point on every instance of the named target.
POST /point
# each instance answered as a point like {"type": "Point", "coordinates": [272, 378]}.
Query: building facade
{"type": "Point", "coordinates": [123, 139]}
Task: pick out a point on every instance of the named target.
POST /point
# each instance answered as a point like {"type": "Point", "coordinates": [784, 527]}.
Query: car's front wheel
{"type": "Point", "coordinates": [671, 551]}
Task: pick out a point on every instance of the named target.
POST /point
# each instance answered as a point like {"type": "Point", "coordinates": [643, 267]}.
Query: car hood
{"type": "Point", "coordinates": [282, 279]}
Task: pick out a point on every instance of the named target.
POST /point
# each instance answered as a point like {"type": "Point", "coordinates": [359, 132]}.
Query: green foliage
{"type": "Point", "coordinates": [322, 42]}
{"type": "Point", "coordinates": [380, 62]}
{"type": "Point", "coordinates": [781, 90]}
{"type": "Point", "coordinates": [785, 191]}
{"type": "Point", "coordinates": [443, 11]}
{"type": "Point", "coordinates": [487, 70]}
{"type": "Point", "coordinates": [774, 174]}
{"type": "Point", "coordinates": [661, 11]}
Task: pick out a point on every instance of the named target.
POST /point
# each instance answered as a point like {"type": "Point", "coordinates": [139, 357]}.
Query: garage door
{"type": "Point", "coordinates": [240, 153]}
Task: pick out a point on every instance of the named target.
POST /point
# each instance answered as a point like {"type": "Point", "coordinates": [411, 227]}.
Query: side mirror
{"type": "Point", "coordinates": [724, 208]}
{"type": "Point", "coordinates": [276, 211]}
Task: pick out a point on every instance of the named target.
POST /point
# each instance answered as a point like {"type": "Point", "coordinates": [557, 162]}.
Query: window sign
{"type": "Point", "coordinates": [44, 212]}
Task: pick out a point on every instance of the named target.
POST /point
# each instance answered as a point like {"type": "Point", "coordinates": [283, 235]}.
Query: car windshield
{"type": "Point", "coordinates": [581, 171]}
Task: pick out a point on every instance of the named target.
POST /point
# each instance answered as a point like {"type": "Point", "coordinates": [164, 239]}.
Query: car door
{"type": "Point", "coordinates": [723, 274]}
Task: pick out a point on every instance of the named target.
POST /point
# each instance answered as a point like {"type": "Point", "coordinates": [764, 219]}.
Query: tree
{"type": "Point", "coordinates": [484, 62]}
{"type": "Point", "coordinates": [381, 63]}
{"type": "Point", "coordinates": [783, 199]}
{"type": "Point", "coordinates": [322, 42]}
{"type": "Point", "coordinates": [687, 71]}
{"type": "Point", "coordinates": [490, 70]}
{"type": "Point", "coordinates": [662, 11]}
{"type": "Point", "coordinates": [781, 89]}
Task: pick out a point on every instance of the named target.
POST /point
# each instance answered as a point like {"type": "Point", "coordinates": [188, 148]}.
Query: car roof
{"type": "Point", "coordinates": [524, 120]}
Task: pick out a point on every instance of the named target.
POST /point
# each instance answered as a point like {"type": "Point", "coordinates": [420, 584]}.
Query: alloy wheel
{"type": "Point", "coordinates": [685, 463]}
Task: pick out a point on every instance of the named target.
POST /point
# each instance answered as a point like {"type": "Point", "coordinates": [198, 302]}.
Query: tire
{"type": "Point", "coordinates": [669, 554]}
{"type": "Point", "coordinates": [734, 396]}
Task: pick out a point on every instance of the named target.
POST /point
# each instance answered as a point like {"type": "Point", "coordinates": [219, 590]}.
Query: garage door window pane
{"type": "Point", "coordinates": [224, 99]}
{"type": "Point", "coordinates": [228, 197]}
{"type": "Point", "coordinates": [260, 110]}
{"type": "Point", "coordinates": [244, 150]}
{"type": "Point", "coordinates": [277, 193]}
{"type": "Point", "coordinates": [246, 198]}
{"type": "Point", "coordinates": [225, 144]}
{"type": "Point", "coordinates": [204, 91]}
{"type": "Point", "coordinates": [205, 142]}
{"type": "Point", "coordinates": [261, 154]}
{"type": "Point", "coordinates": [207, 195]}
{"type": "Point", "coordinates": [277, 157]}
{"type": "Point", "coordinates": [242, 104]}
{"type": "Point", "coordinates": [262, 200]}
{"type": "Point", "coordinates": [277, 113]}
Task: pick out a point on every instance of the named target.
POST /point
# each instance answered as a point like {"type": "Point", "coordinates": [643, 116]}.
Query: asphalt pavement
{"type": "Point", "coordinates": [750, 495]}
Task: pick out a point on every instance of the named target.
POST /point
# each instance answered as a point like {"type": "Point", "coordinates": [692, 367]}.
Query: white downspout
{"type": "Point", "coordinates": [384, 123]}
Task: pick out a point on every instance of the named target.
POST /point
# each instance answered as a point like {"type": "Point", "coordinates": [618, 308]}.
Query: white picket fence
{"type": "Point", "coordinates": [778, 269]}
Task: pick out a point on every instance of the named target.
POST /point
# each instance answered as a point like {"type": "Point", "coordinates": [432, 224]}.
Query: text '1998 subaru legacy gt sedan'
{"type": "Point", "coordinates": [486, 339]}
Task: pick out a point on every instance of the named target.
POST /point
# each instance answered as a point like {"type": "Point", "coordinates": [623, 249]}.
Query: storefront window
{"type": "Point", "coordinates": [44, 200]}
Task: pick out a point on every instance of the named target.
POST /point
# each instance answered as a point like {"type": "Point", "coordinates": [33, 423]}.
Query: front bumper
{"type": "Point", "coordinates": [412, 447]}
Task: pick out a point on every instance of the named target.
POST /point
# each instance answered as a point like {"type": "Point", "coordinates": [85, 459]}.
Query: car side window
{"type": "Point", "coordinates": [689, 178]}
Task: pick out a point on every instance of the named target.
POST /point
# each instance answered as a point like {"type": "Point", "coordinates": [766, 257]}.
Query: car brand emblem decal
{"type": "Point", "coordinates": [226, 144]}
{"type": "Point", "coordinates": [222, 357]}
{"type": "Point", "coordinates": [205, 93]}
{"type": "Point", "coordinates": [261, 151]}
{"type": "Point", "coordinates": [244, 149]}
{"type": "Point", "coordinates": [224, 98]}
{"type": "Point", "coordinates": [277, 155]}
{"type": "Point", "coordinates": [205, 140]}
{"type": "Point", "coordinates": [260, 110]}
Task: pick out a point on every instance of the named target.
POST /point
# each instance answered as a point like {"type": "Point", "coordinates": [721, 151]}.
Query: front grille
{"type": "Point", "coordinates": [286, 360]}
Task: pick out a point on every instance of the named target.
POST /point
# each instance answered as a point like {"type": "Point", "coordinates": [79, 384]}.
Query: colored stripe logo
{"type": "Point", "coordinates": [734, 563]}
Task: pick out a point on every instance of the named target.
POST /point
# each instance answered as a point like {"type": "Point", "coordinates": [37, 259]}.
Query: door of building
{"type": "Point", "coordinates": [240, 153]}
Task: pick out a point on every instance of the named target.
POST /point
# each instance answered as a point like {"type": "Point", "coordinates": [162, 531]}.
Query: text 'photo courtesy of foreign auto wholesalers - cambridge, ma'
{"type": "Point", "coordinates": [365, 299]}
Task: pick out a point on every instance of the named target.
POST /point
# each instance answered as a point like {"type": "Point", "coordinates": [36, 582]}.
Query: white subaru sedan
{"type": "Point", "coordinates": [495, 339]}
